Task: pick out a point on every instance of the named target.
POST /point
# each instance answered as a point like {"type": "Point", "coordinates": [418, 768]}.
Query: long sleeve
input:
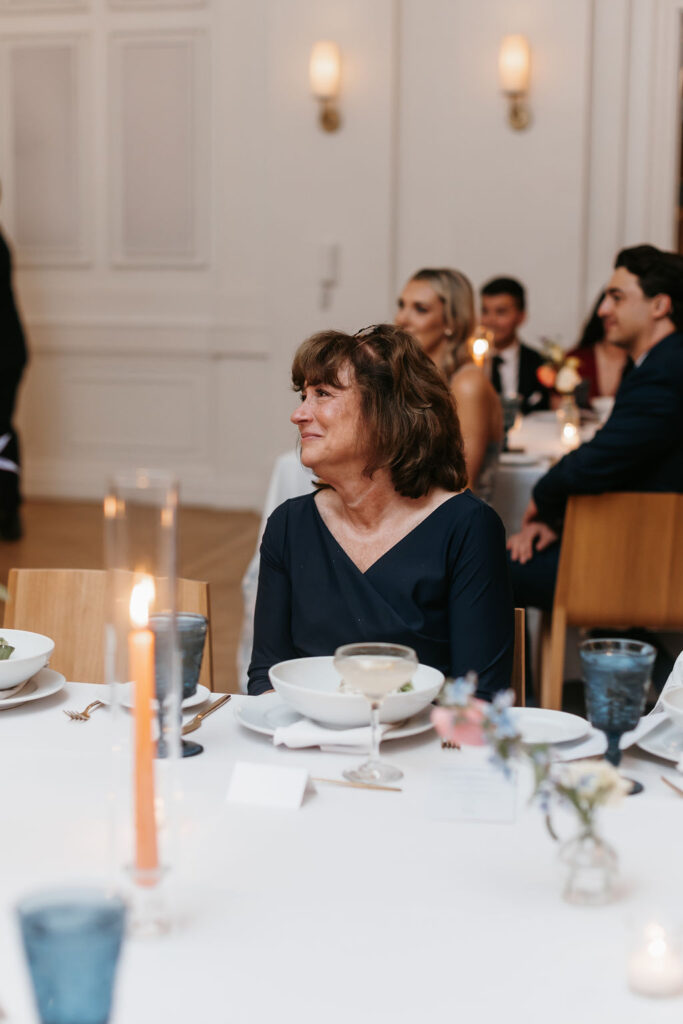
{"type": "Point", "coordinates": [638, 449]}
{"type": "Point", "coordinates": [480, 606]}
{"type": "Point", "coordinates": [272, 615]}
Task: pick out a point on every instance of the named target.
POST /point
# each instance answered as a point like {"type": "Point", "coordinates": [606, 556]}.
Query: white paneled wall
{"type": "Point", "coordinates": [170, 198]}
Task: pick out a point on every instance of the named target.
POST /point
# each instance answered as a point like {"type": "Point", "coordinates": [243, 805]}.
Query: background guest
{"type": "Point", "coordinates": [601, 364]}
{"type": "Point", "coordinates": [640, 447]}
{"type": "Point", "coordinates": [437, 308]}
{"type": "Point", "coordinates": [513, 365]}
{"type": "Point", "coordinates": [391, 547]}
{"type": "Point", "coordinates": [12, 362]}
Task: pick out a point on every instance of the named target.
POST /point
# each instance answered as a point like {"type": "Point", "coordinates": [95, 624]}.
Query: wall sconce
{"type": "Point", "coordinates": [514, 67]}
{"type": "Point", "coordinates": [325, 74]}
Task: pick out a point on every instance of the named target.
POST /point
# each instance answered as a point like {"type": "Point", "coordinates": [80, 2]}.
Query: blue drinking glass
{"type": "Point", "coordinates": [616, 674]}
{"type": "Point", "coordinates": [72, 939]}
{"type": "Point", "coordinates": [191, 636]}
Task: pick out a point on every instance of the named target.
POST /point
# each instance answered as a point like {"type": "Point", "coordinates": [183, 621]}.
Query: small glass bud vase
{"type": "Point", "coordinates": [569, 421]}
{"type": "Point", "coordinates": [592, 868]}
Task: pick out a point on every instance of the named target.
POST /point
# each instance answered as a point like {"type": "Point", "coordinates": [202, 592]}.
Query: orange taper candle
{"type": "Point", "coordinates": [141, 657]}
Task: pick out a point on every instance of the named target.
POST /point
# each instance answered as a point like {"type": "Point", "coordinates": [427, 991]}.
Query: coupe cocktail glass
{"type": "Point", "coordinates": [374, 670]}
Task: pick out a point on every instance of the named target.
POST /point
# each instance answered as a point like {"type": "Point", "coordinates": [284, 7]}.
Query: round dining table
{"type": "Point", "coordinates": [357, 906]}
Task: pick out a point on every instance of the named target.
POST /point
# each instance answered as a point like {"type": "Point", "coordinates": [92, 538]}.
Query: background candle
{"type": "Point", "coordinates": [655, 967]}
{"type": "Point", "coordinates": [141, 656]}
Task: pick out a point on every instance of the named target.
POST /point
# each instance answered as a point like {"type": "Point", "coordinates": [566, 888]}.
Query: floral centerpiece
{"type": "Point", "coordinates": [581, 786]}
{"type": "Point", "coordinates": [559, 371]}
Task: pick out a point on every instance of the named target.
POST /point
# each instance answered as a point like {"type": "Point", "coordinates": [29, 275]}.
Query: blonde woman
{"type": "Point", "coordinates": [437, 307]}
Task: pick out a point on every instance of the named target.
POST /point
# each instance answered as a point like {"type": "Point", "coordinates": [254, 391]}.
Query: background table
{"type": "Point", "coordinates": [358, 906]}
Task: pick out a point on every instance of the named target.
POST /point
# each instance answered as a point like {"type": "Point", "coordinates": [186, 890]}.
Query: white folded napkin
{"type": "Point", "coordinates": [673, 682]}
{"type": "Point", "coordinates": [595, 743]}
{"type": "Point", "coordinates": [305, 733]}
{"type": "Point", "coordinates": [13, 690]}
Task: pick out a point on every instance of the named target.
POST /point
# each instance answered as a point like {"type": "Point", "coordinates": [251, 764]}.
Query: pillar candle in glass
{"type": "Point", "coordinates": [140, 512]}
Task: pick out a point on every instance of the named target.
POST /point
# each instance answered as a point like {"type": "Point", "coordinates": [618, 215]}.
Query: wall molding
{"type": "Point", "coordinates": [46, 253]}
{"type": "Point", "coordinates": [139, 338]}
{"type": "Point", "coordinates": [85, 481]}
{"type": "Point", "coordinates": [193, 140]}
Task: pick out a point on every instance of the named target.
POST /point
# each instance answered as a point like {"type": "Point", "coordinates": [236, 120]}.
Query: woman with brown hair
{"type": "Point", "coordinates": [437, 307]}
{"type": "Point", "coordinates": [392, 546]}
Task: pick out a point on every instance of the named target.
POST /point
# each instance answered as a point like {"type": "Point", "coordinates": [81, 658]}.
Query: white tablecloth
{"type": "Point", "coordinates": [357, 907]}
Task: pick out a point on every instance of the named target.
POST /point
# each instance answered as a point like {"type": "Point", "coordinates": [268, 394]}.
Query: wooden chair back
{"type": "Point", "coordinates": [621, 565]}
{"type": "Point", "coordinates": [70, 606]}
{"type": "Point", "coordinates": [518, 680]}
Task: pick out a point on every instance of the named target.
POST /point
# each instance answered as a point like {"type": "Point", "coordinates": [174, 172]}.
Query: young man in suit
{"type": "Point", "coordinates": [640, 447]}
{"type": "Point", "coordinates": [514, 365]}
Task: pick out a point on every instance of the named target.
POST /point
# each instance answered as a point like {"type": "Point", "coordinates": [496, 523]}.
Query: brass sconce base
{"type": "Point", "coordinates": [330, 119]}
{"type": "Point", "coordinates": [519, 117]}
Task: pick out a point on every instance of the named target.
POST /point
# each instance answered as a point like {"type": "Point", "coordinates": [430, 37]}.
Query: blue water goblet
{"type": "Point", "coordinates": [190, 631]}
{"type": "Point", "coordinates": [616, 675]}
{"type": "Point", "coordinates": [72, 939]}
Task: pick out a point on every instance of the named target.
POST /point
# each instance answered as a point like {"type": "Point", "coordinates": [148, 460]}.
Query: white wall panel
{"type": "Point", "coordinates": [47, 147]}
{"type": "Point", "coordinates": [34, 6]}
{"type": "Point", "coordinates": [475, 194]}
{"type": "Point", "coordinates": [142, 5]}
{"type": "Point", "coordinates": [159, 145]}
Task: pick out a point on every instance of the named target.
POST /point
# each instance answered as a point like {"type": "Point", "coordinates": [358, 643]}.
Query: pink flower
{"type": "Point", "coordinates": [462, 726]}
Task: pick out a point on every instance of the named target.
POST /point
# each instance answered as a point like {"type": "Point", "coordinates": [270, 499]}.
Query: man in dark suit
{"type": "Point", "coordinates": [514, 365]}
{"type": "Point", "coordinates": [12, 361]}
{"type": "Point", "coordinates": [640, 447]}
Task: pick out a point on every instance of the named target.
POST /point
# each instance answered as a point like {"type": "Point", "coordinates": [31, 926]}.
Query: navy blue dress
{"type": "Point", "coordinates": [443, 590]}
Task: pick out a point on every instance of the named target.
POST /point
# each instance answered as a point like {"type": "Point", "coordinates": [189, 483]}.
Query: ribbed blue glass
{"type": "Point", "coordinates": [72, 939]}
{"type": "Point", "coordinates": [616, 674]}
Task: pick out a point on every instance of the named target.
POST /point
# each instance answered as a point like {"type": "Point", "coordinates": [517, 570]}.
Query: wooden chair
{"type": "Point", "coordinates": [518, 679]}
{"type": "Point", "coordinates": [69, 605]}
{"type": "Point", "coordinates": [621, 565]}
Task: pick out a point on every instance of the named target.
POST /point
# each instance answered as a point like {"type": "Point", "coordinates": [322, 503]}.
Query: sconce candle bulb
{"type": "Point", "coordinates": [325, 76]}
{"type": "Point", "coordinates": [514, 66]}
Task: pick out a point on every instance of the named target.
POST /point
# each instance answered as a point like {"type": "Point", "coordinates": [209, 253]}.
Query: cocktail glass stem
{"type": "Point", "coordinates": [375, 735]}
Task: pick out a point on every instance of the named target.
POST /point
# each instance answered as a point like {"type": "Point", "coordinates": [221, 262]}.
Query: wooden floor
{"type": "Point", "coordinates": [214, 546]}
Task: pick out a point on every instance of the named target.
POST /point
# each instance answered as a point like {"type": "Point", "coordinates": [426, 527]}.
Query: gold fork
{"type": "Point", "coordinates": [83, 716]}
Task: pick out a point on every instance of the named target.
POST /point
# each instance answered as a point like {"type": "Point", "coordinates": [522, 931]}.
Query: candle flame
{"type": "Point", "coordinates": [480, 347]}
{"type": "Point", "coordinates": [141, 598]}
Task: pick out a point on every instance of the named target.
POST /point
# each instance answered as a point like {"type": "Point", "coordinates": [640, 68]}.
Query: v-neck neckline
{"type": "Point", "coordinates": [364, 572]}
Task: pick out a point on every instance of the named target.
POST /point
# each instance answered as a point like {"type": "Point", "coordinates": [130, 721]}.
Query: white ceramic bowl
{"type": "Point", "coordinates": [311, 686]}
{"type": "Point", "coordinates": [673, 704]}
{"type": "Point", "coordinates": [31, 653]}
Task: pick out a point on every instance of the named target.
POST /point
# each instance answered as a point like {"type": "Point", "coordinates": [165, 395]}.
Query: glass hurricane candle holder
{"type": "Point", "coordinates": [140, 511]}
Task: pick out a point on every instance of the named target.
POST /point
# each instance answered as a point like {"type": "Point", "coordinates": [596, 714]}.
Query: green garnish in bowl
{"type": "Point", "coordinates": [406, 688]}
{"type": "Point", "coordinates": [5, 649]}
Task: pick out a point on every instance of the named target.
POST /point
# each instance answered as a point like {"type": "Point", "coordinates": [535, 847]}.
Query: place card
{"type": "Point", "coordinates": [267, 785]}
{"type": "Point", "coordinates": [473, 790]}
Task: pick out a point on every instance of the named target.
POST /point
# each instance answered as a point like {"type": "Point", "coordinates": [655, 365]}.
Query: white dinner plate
{"type": "Point", "coordinates": [665, 741]}
{"type": "Point", "coordinates": [269, 712]}
{"type": "Point", "coordinates": [201, 694]}
{"type": "Point", "coordinates": [540, 725]}
{"type": "Point", "coordinates": [517, 459]}
{"type": "Point", "coordinates": [44, 684]}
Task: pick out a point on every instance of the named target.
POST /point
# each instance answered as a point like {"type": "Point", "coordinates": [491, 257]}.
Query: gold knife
{"type": "Point", "coordinates": [195, 722]}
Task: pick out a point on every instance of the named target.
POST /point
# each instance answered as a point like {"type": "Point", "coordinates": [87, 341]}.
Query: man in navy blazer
{"type": "Point", "coordinates": [640, 447]}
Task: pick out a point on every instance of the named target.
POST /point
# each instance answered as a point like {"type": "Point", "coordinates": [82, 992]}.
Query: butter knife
{"type": "Point", "coordinates": [195, 722]}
